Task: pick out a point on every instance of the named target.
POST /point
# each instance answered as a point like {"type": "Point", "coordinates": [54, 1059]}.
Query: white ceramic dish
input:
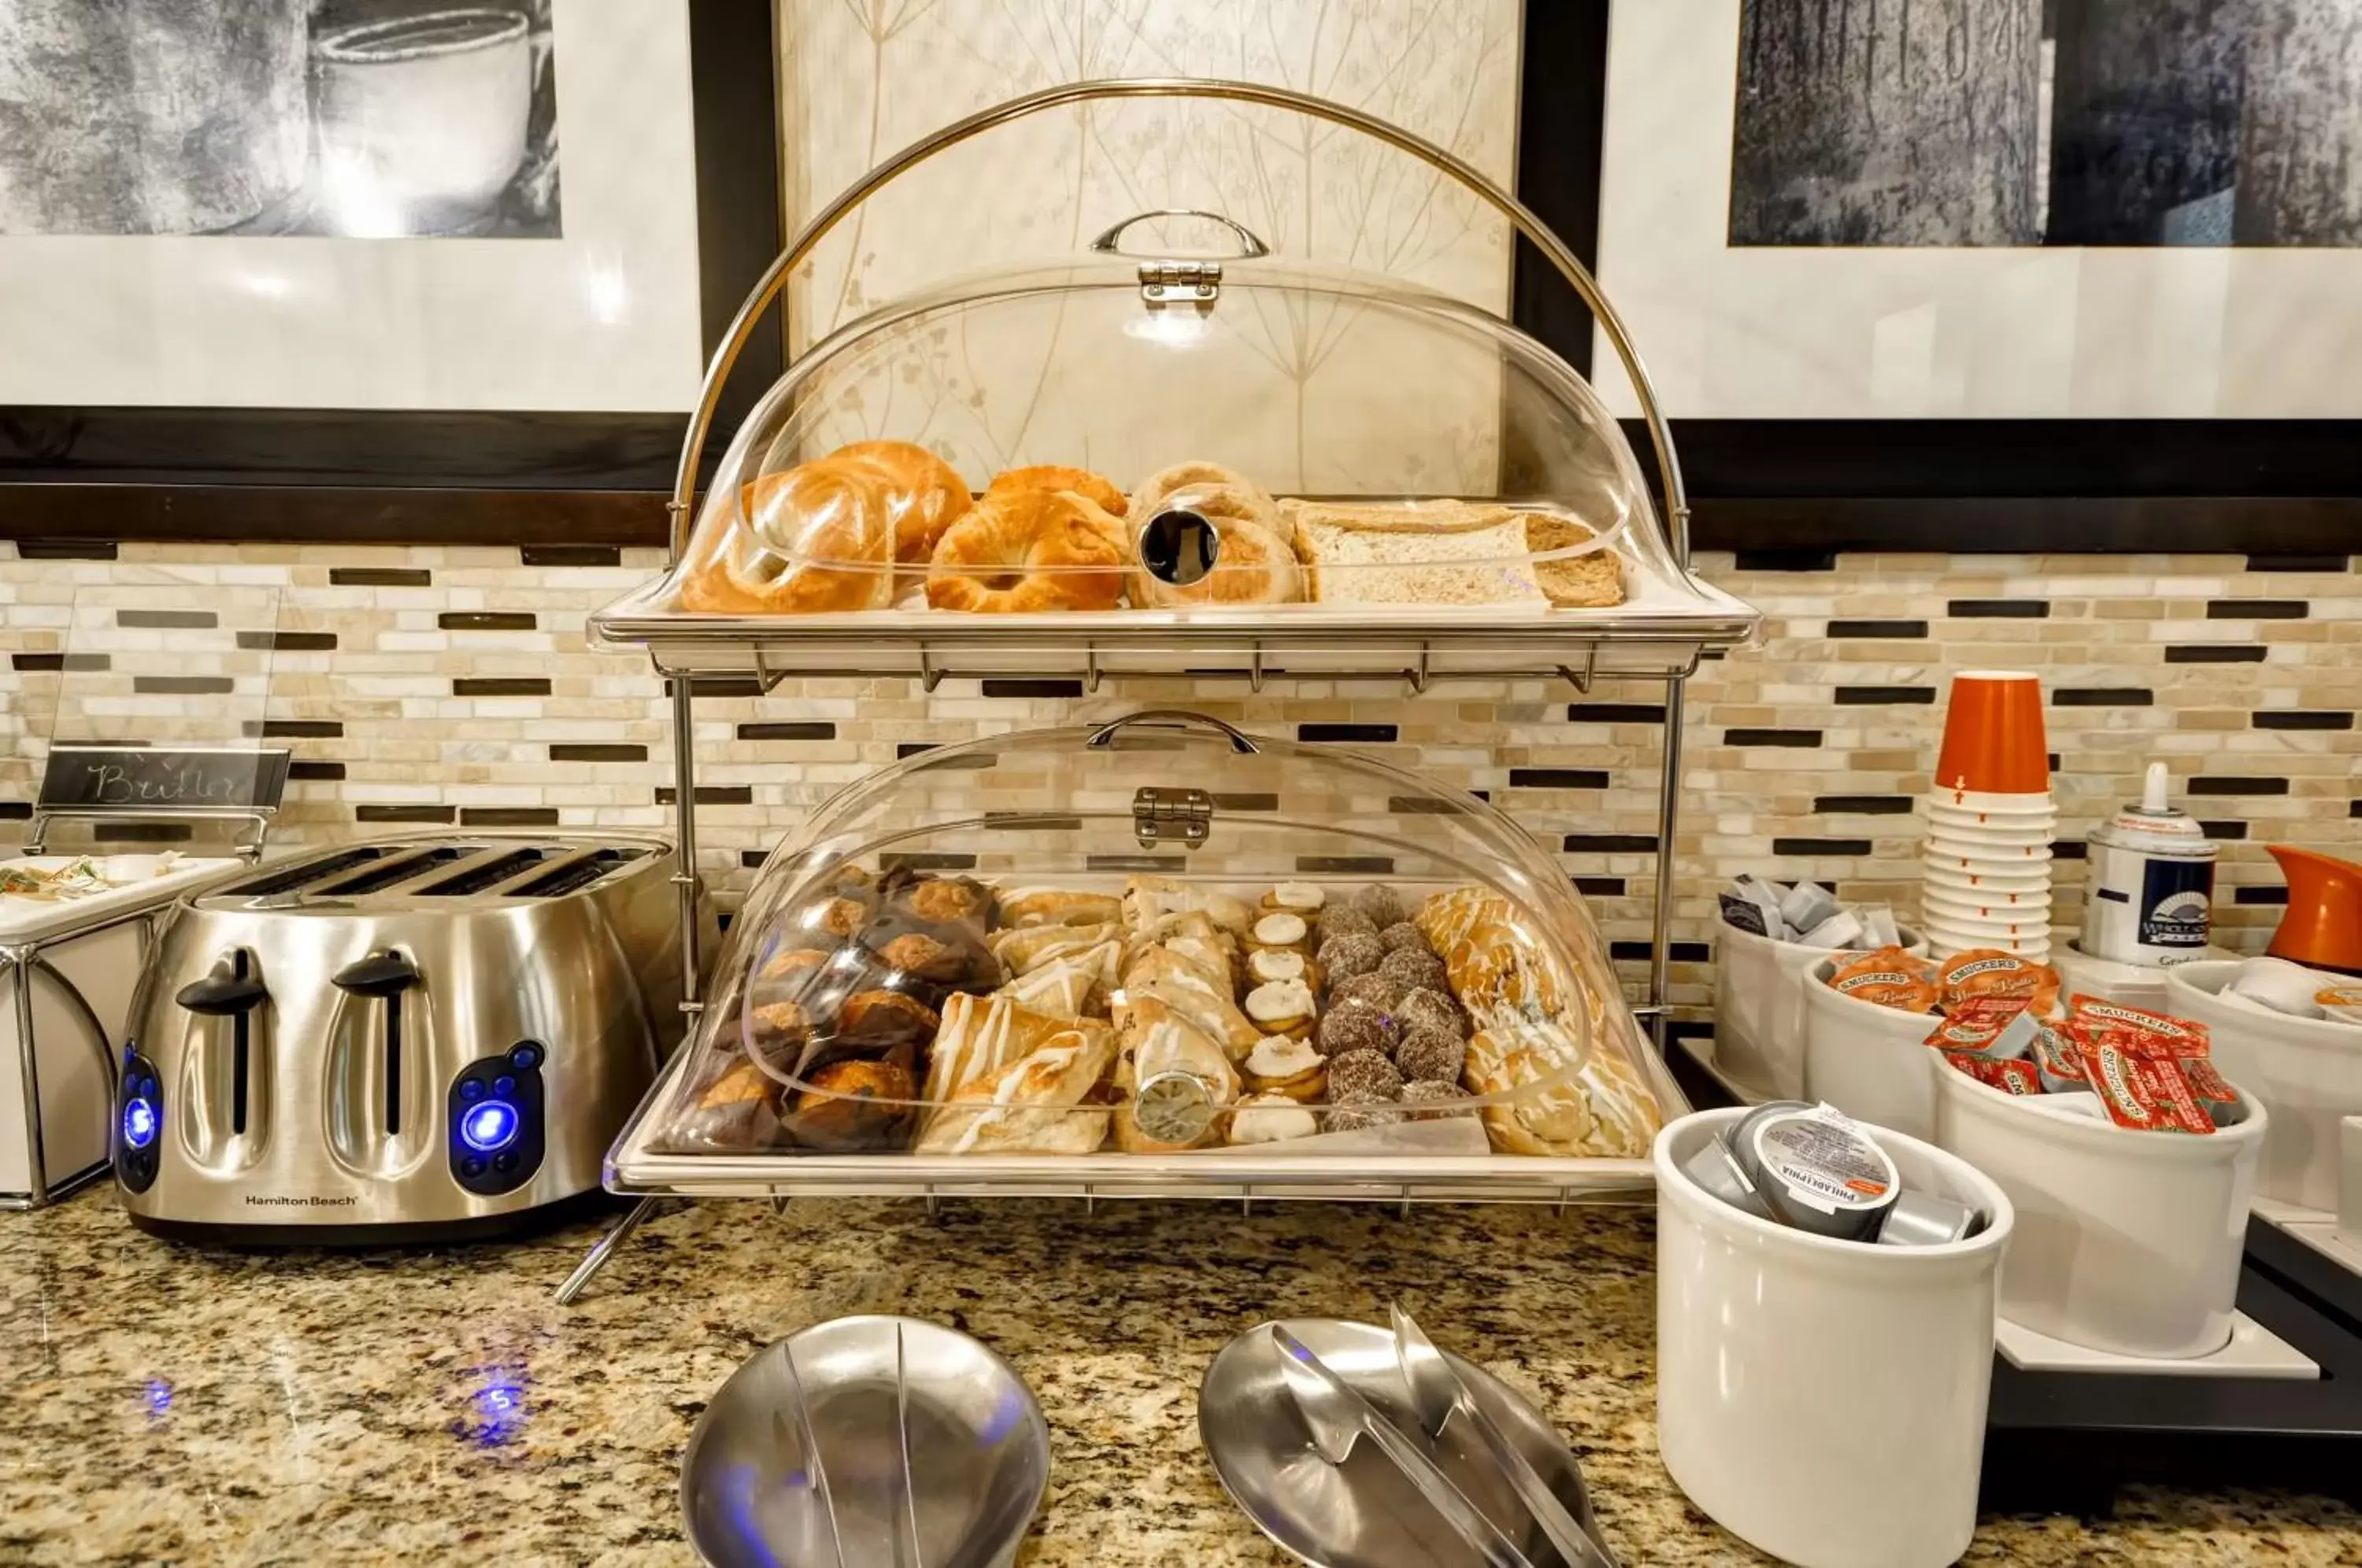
{"type": "Point", "coordinates": [2306, 1072]}
{"type": "Point", "coordinates": [1825, 1400]}
{"type": "Point", "coordinates": [2128, 1242]}
{"type": "Point", "coordinates": [1759, 1008]}
{"type": "Point", "coordinates": [1868, 1061]}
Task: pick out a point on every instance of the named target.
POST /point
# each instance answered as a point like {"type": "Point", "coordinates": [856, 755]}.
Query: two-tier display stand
{"type": "Point", "coordinates": [1412, 649]}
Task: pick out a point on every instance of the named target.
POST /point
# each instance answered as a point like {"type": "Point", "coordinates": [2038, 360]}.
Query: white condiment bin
{"type": "Point", "coordinates": [1825, 1400]}
{"type": "Point", "coordinates": [1868, 1061]}
{"type": "Point", "coordinates": [1759, 1008]}
{"type": "Point", "coordinates": [2306, 1071]}
{"type": "Point", "coordinates": [2127, 1242]}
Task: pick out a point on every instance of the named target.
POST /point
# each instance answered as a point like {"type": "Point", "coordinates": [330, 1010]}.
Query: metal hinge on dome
{"type": "Point", "coordinates": [1159, 815]}
{"type": "Point", "coordinates": [1182, 282]}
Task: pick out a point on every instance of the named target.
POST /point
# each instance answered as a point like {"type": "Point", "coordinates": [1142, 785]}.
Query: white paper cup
{"type": "Point", "coordinates": [1969, 803]}
{"type": "Point", "coordinates": [2127, 1242]}
{"type": "Point", "coordinates": [1868, 1061]}
{"type": "Point", "coordinates": [1969, 884]}
{"type": "Point", "coordinates": [1943, 943]}
{"type": "Point", "coordinates": [1988, 841]}
{"type": "Point", "coordinates": [2002, 920]}
{"type": "Point", "coordinates": [1986, 903]}
{"type": "Point", "coordinates": [1759, 1008]}
{"type": "Point", "coordinates": [2306, 1072]}
{"type": "Point", "coordinates": [1825, 1400]}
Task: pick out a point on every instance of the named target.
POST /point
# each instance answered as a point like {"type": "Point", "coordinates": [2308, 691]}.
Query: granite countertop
{"type": "Point", "coordinates": [165, 1404]}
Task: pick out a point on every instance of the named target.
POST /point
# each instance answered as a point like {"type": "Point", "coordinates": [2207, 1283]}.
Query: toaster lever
{"type": "Point", "coordinates": [384, 976]}
{"type": "Point", "coordinates": [222, 994]}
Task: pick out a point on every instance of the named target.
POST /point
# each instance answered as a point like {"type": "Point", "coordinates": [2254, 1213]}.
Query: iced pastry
{"type": "Point", "coordinates": [1282, 1065]}
{"type": "Point", "coordinates": [1304, 897]}
{"type": "Point", "coordinates": [1280, 1007]}
{"type": "Point", "coordinates": [1052, 906]}
{"type": "Point", "coordinates": [1271, 1119]}
{"type": "Point", "coordinates": [1280, 964]}
{"type": "Point", "coordinates": [1281, 928]}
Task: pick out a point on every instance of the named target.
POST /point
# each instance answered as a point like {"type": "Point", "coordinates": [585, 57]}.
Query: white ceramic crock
{"type": "Point", "coordinates": [1825, 1400]}
{"type": "Point", "coordinates": [1868, 1061]}
{"type": "Point", "coordinates": [2306, 1071]}
{"type": "Point", "coordinates": [2127, 1242]}
{"type": "Point", "coordinates": [1759, 1008]}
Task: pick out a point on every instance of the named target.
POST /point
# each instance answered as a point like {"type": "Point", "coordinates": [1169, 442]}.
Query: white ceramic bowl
{"type": "Point", "coordinates": [1759, 1008]}
{"type": "Point", "coordinates": [2307, 1072]}
{"type": "Point", "coordinates": [1868, 1061]}
{"type": "Point", "coordinates": [1825, 1400]}
{"type": "Point", "coordinates": [2127, 1242]}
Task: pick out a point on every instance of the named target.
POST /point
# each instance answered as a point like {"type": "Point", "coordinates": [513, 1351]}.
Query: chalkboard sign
{"type": "Point", "coordinates": [162, 781]}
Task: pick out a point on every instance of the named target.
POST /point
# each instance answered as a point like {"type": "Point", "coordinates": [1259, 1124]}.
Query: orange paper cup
{"type": "Point", "coordinates": [2323, 923]}
{"type": "Point", "coordinates": [1993, 741]}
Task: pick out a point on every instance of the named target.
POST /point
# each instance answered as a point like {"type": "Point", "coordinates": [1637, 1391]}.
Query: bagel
{"type": "Point", "coordinates": [1025, 550]}
{"type": "Point", "coordinates": [1155, 492]}
{"type": "Point", "coordinates": [923, 495]}
{"type": "Point", "coordinates": [1095, 488]}
{"type": "Point", "coordinates": [815, 539]}
{"type": "Point", "coordinates": [1252, 565]}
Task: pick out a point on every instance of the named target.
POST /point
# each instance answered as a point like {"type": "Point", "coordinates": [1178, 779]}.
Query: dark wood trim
{"type": "Point", "coordinates": [409, 514]}
{"type": "Point", "coordinates": [1561, 114]}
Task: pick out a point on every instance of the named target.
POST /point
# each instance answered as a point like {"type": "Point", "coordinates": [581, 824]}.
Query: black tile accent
{"type": "Point", "coordinates": [33, 662]}
{"type": "Point", "coordinates": [1599, 887]}
{"type": "Point", "coordinates": [1999, 609]}
{"type": "Point", "coordinates": [1679, 951]}
{"type": "Point", "coordinates": [2052, 759]}
{"type": "Point", "coordinates": [2213, 653]}
{"type": "Point", "coordinates": [2223, 830]}
{"type": "Point", "coordinates": [288, 642]}
{"type": "Point", "coordinates": [753, 859]}
{"type": "Point", "coordinates": [2260, 895]}
{"type": "Point", "coordinates": [316, 770]}
{"type": "Point", "coordinates": [1786, 560]}
{"type": "Point", "coordinates": [501, 686]}
{"type": "Point", "coordinates": [2235, 785]}
{"type": "Point", "coordinates": [380, 577]}
{"type": "Point", "coordinates": [143, 833]}
{"type": "Point", "coordinates": [787, 732]}
{"type": "Point", "coordinates": [65, 550]}
{"type": "Point", "coordinates": [2102, 696]}
{"type": "Point", "coordinates": [508, 816]}
{"type": "Point", "coordinates": [404, 814]}
{"type": "Point", "coordinates": [712, 794]}
{"type": "Point", "coordinates": [1689, 1029]}
{"type": "Point", "coordinates": [1615, 712]}
{"type": "Point", "coordinates": [183, 685]}
{"type": "Point", "coordinates": [1883, 696]}
{"type": "Point", "coordinates": [1878, 628]}
{"type": "Point", "coordinates": [300, 729]}
{"type": "Point", "coordinates": [1247, 802]}
{"type": "Point", "coordinates": [908, 749]}
{"type": "Point", "coordinates": [563, 751]}
{"type": "Point", "coordinates": [1820, 846]}
{"type": "Point", "coordinates": [2298, 563]}
{"type": "Point", "coordinates": [1772, 737]}
{"type": "Point", "coordinates": [1347, 865]}
{"type": "Point", "coordinates": [2069, 849]}
{"type": "Point", "coordinates": [1558, 779]}
{"type": "Point", "coordinates": [2258, 609]}
{"type": "Point", "coordinates": [16, 810]}
{"type": "Point", "coordinates": [1607, 843]}
{"type": "Point", "coordinates": [1030, 822]}
{"type": "Point", "coordinates": [173, 620]}
{"type": "Point", "coordinates": [1148, 862]}
{"type": "Point", "coordinates": [571, 554]}
{"type": "Point", "coordinates": [1863, 805]}
{"type": "Point", "coordinates": [2297, 719]}
{"type": "Point", "coordinates": [722, 686]}
{"type": "Point", "coordinates": [1424, 806]}
{"type": "Point", "coordinates": [485, 620]}
{"type": "Point", "coordinates": [915, 860]}
{"type": "Point", "coordinates": [1364, 733]}
{"type": "Point", "coordinates": [1033, 689]}
{"type": "Point", "coordinates": [2354, 808]}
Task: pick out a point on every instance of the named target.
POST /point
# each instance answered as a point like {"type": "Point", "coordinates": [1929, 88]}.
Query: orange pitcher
{"type": "Point", "coordinates": [2323, 927]}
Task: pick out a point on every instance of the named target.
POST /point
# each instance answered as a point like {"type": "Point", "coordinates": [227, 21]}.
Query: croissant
{"type": "Point", "coordinates": [923, 495]}
{"type": "Point", "coordinates": [1027, 550]}
{"type": "Point", "coordinates": [1094, 488]}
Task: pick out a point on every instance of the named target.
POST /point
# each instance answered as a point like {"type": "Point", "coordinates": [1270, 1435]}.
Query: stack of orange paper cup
{"type": "Point", "coordinates": [1989, 820]}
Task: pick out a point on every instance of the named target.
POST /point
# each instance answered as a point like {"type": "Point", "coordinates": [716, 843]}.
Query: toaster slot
{"type": "Point", "coordinates": [384, 976]}
{"type": "Point", "coordinates": [273, 884]}
{"type": "Point", "coordinates": [573, 876]}
{"type": "Point", "coordinates": [398, 869]}
{"type": "Point", "coordinates": [231, 992]}
{"type": "Point", "coordinates": [485, 874]}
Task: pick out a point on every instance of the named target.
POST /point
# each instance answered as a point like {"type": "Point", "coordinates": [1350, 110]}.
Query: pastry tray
{"type": "Point", "coordinates": [1661, 631]}
{"type": "Point", "coordinates": [632, 1168]}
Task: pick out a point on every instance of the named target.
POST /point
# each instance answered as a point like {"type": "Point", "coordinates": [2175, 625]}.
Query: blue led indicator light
{"type": "Point", "coordinates": [140, 1124]}
{"type": "Point", "coordinates": [490, 1126]}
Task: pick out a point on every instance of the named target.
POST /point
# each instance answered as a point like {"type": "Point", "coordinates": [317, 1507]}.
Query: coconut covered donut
{"type": "Point", "coordinates": [1027, 550]}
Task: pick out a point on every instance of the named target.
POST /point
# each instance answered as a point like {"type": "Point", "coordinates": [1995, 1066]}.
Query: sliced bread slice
{"type": "Point", "coordinates": [1430, 553]}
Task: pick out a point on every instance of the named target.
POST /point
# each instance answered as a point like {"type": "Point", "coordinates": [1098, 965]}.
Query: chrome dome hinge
{"type": "Point", "coordinates": [1161, 816]}
{"type": "Point", "coordinates": [1180, 282]}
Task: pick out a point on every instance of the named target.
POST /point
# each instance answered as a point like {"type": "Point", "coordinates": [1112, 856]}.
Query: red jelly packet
{"type": "Point", "coordinates": [1889, 977]}
{"type": "Point", "coordinates": [1989, 1025]}
{"type": "Point", "coordinates": [2213, 1089]}
{"type": "Point", "coordinates": [2057, 1059]}
{"type": "Point", "coordinates": [2014, 1077]}
{"type": "Point", "coordinates": [2146, 1094]}
{"type": "Point", "coordinates": [2188, 1035]}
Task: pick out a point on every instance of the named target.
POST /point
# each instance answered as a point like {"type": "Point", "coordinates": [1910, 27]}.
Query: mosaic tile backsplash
{"type": "Point", "coordinates": [432, 686]}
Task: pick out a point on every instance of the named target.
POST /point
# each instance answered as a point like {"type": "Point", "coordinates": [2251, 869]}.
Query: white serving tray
{"type": "Point", "coordinates": [24, 920]}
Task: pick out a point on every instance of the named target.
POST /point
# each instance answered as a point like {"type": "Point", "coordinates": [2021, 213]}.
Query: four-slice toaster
{"type": "Point", "coordinates": [409, 1039]}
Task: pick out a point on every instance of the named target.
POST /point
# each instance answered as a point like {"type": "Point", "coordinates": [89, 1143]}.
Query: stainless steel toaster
{"type": "Point", "coordinates": [410, 1039]}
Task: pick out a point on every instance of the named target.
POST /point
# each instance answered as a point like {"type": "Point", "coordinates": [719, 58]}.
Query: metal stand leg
{"type": "Point", "coordinates": [596, 1259]}
{"type": "Point", "coordinates": [1669, 810]}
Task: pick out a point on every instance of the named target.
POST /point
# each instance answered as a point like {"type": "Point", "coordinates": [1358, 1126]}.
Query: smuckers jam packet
{"type": "Point", "coordinates": [2188, 1036]}
{"type": "Point", "coordinates": [1989, 972]}
{"type": "Point", "coordinates": [2214, 1090]}
{"type": "Point", "coordinates": [2009, 1075]}
{"type": "Point", "coordinates": [1890, 977]}
{"type": "Point", "coordinates": [2142, 1094]}
{"type": "Point", "coordinates": [2057, 1061]}
{"type": "Point", "coordinates": [2000, 1027]}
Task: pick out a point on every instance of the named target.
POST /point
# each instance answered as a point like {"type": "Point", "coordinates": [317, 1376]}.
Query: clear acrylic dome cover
{"type": "Point", "coordinates": [1109, 434]}
{"type": "Point", "coordinates": [1045, 943]}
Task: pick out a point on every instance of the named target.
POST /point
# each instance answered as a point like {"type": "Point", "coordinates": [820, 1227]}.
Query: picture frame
{"type": "Point", "coordinates": [525, 476]}
{"type": "Point", "coordinates": [1810, 486]}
